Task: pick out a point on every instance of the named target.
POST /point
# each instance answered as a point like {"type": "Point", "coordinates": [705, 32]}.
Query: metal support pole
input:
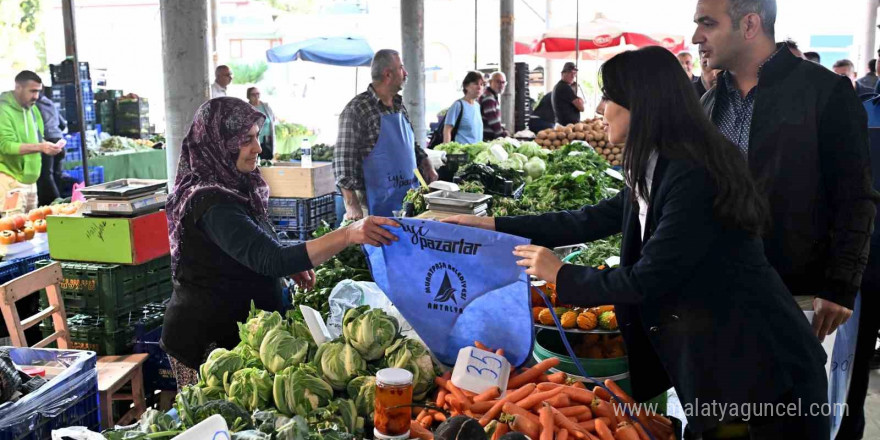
{"type": "Point", "coordinates": [412, 22]}
{"type": "Point", "coordinates": [185, 60]}
{"type": "Point", "coordinates": [67, 10]}
{"type": "Point", "coordinates": [507, 65]}
{"type": "Point", "coordinates": [869, 47]}
{"type": "Point", "coordinates": [476, 15]}
{"type": "Point", "coordinates": [549, 72]}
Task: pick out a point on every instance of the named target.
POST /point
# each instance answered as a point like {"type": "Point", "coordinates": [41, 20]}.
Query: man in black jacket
{"type": "Point", "coordinates": [805, 134]}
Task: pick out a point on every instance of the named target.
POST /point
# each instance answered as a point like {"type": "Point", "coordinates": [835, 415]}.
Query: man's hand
{"type": "Point", "coordinates": [370, 231]}
{"type": "Point", "coordinates": [305, 280]}
{"type": "Point", "coordinates": [353, 213]}
{"type": "Point", "coordinates": [428, 171]}
{"type": "Point", "coordinates": [828, 316]}
{"type": "Point", "coordinates": [539, 261]}
{"type": "Point", "coordinates": [50, 149]}
{"type": "Point", "coordinates": [487, 223]}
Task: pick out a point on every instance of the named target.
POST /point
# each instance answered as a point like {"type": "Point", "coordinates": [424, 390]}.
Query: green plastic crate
{"type": "Point", "coordinates": [91, 332]}
{"type": "Point", "coordinates": [112, 291]}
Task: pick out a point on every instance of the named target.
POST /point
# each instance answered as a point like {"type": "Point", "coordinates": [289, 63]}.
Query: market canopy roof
{"type": "Point", "coordinates": [337, 51]}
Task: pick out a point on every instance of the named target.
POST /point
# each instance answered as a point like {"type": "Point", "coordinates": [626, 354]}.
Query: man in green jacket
{"type": "Point", "coordinates": [21, 138]}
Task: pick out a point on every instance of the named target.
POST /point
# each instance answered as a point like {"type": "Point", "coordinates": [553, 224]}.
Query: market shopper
{"type": "Point", "coordinates": [490, 106]}
{"type": "Point", "coordinates": [543, 116]}
{"type": "Point", "coordinates": [49, 182]}
{"type": "Point", "coordinates": [687, 63]}
{"type": "Point", "coordinates": [846, 69]}
{"type": "Point", "coordinates": [222, 79]}
{"type": "Point", "coordinates": [224, 252]}
{"type": "Point", "coordinates": [697, 303]}
{"type": "Point", "coordinates": [804, 134]}
{"type": "Point", "coordinates": [707, 80]}
{"type": "Point", "coordinates": [21, 138]}
{"type": "Point", "coordinates": [464, 121]}
{"type": "Point", "coordinates": [867, 84]}
{"type": "Point", "coordinates": [267, 132]}
{"type": "Point", "coordinates": [375, 153]}
{"type": "Point", "coordinates": [567, 106]}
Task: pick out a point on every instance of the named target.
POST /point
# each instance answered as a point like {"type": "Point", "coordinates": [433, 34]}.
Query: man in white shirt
{"type": "Point", "coordinates": [222, 78]}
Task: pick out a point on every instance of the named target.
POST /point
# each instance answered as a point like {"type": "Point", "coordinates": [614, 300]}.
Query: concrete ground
{"type": "Point", "coordinates": [872, 407]}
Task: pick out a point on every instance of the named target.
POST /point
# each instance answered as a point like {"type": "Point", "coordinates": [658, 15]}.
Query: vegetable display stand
{"type": "Point", "coordinates": [301, 217]}
{"type": "Point", "coordinates": [290, 179]}
{"type": "Point", "coordinates": [70, 398]}
{"type": "Point", "coordinates": [109, 239]}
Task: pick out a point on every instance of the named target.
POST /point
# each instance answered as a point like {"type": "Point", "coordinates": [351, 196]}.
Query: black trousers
{"type": "Point", "coordinates": [268, 146]}
{"type": "Point", "coordinates": [49, 182]}
{"type": "Point", "coordinates": [853, 425]}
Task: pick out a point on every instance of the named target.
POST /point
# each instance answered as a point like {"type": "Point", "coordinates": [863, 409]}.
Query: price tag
{"type": "Point", "coordinates": [478, 370]}
{"type": "Point", "coordinates": [316, 325]}
{"type": "Point", "coordinates": [612, 261]}
{"type": "Point", "coordinates": [614, 173]}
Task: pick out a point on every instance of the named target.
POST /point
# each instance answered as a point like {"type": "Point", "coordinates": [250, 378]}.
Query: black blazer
{"type": "Point", "coordinates": [698, 305]}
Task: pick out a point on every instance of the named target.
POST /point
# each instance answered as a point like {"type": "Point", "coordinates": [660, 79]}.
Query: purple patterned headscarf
{"type": "Point", "coordinates": [207, 164]}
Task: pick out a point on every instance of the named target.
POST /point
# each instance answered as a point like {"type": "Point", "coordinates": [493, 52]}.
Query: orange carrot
{"type": "Point", "coordinates": [500, 352]}
{"type": "Point", "coordinates": [513, 409]}
{"type": "Point", "coordinates": [481, 346]}
{"type": "Point", "coordinates": [546, 418]}
{"type": "Point", "coordinates": [526, 426]}
{"type": "Point", "coordinates": [422, 415]}
{"type": "Point", "coordinates": [533, 373]}
{"type": "Point", "coordinates": [502, 429]}
{"type": "Point", "coordinates": [585, 416]}
{"type": "Point", "coordinates": [626, 431]}
{"type": "Point", "coordinates": [558, 377]}
{"type": "Point", "coordinates": [483, 407]}
{"type": "Point", "coordinates": [469, 394]}
{"type": "Point", "coordinates": [579, 384]}
{"type": "Point", "coordinates": [559, 401]}
{"type": "Point", "coordinates": [574, 411]}
{"type": "Point", "coordinates": [542, 378]}
{"type": "Point", "coordinates": [603, 431]}
{"type": "Point", "coordinates": [452, 402]}
{"type": "Point", "coordinates": [519, 394]}
{"type": "Point", "coordinates": [547, 386]}
{"type": "Point", "coordinates": [602, 408]}
{"type": "Point", "coordinates": [643, 435]}
{"type": "Point", "coordinates": [440, 417]}
{"type": "Point", "coordinates": [534, 399]}
{"type": "Point", "coordinates": [418, 431]}
{"type": "Point", "coordinates": [590, 425]}
{"type": "Point", "coordinates": [490, 394]}
{"type": "Point", "coordinates": [579, 395]}
{"type": "Point", "coordinates": [565, 423]}
{"type": "Point", "coordinates": [447, 375]}
{"type": "Point", "coordinates": [465, 402]}
{"type": "Point", "coordinates": [492, 414]}
{"type": "Point", "coordinates": [602, 393]}
{"type": "Point", "coordinates": [441, 397]}
{"type": "Point", "coordinates": [426, 421]}
{"type": "Point", "coordinates": [562, 435]}
{"type": "Point", "coordinates": [614, 388]}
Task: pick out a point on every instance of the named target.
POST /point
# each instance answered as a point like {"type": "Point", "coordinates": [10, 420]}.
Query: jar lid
{"type": "Point", "coordinates": [379, 436]}
{"type": "Point", "coordinates": [394, 376]}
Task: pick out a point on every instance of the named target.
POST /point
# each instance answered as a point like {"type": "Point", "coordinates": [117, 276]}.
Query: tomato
{"type": "Point", "coordinates": [20, 236]}
{"type": "Point", "coordinates": [7, 237]}
{"type": "Point", "coordinates": [19, 220]}
{"type": "Point", "coordinates": [6, 224]}
{"type": "Point", "coordinates": [40, 226]}
{"type": "Point", "coordinates": [47, 211]}
{"type": "Point", "coordinates": [29, 233]}
{"type": "Point", "coordinates": [35, 214]}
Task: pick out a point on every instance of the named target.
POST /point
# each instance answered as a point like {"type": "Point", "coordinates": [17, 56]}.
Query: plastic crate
{"type": "Point", "coordinates": [96, 338]}
{"type": "Point", "coordinates": [68, 399]}
{"type": "Point", "coordinates": [133, 108]}
{"type": "Point", "coordinates": [73, 148]}
{"type": "Point", "coordinates": [157, 368]}
{"type": "Point", "coordinates": [96, 174]}
{"type": "Point", "coordinates": [29, 264]}
{"type": "Point", "coordinates": [63, 73]}
{"type": "Point", "coordinates": [116, 293]}
{"type": "Point", "coordinates": [66, 93]}
{"type": "Point", "coordinates": [300, 217]}
{"type": "Point", "coordinates": [9, 270]}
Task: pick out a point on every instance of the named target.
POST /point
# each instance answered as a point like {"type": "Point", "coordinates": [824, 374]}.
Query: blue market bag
{"type": "Point", "coordinates": [842, 359]}
{"type": "Point", "coordinates": [455, 285]}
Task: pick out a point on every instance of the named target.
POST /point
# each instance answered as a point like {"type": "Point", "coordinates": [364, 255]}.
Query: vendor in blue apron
{"type": "Point", "coordinates": [376, 156]}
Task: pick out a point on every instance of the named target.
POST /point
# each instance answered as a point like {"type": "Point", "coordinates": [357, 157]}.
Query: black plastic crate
{"type": "Point", "coordinates": [157, 368]}
{"type": "Point", "coordinates": [132, 108]}
{"type": "Point", "coordinates": [63, 73]}
{"type": "Point", "coordinates": [300, 217]}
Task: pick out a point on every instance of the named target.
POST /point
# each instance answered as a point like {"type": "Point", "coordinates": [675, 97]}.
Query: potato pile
{"type": "Point", "coordinates": [589, 131]}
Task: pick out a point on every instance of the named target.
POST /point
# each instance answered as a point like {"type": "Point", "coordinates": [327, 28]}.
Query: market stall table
{"type": "Point", "coordinates": [149, 164]}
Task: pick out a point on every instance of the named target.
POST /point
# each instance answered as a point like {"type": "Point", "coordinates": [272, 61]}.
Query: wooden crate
{"type": "Point", "coordinates": [289, 179]}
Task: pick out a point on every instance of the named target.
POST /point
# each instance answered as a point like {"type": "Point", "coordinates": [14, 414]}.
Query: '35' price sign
{"type": "Point", "coordinates": [477, 370]}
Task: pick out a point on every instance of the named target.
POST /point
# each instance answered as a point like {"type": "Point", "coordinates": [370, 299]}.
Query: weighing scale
{"type": "Point", "coordinates": [125, 198]}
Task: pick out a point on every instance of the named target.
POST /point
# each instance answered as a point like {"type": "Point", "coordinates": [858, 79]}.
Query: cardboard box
{"type": "Point", "coordinates": [108, 239]}
{"type": "Point", "coordinates": [290, 179]}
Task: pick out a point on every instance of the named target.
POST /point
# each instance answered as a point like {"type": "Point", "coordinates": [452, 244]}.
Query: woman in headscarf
{"type": "Point", "coordinates": [224, 251]}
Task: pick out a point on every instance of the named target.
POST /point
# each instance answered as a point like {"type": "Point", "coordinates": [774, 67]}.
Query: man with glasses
{"type": "Point", "coordinates": [222, 78]}
{"type": "Point", "coordinates": [490, 105]}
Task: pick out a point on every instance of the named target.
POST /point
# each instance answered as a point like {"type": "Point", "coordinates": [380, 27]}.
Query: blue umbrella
{"type": "Point", "coordinates": [337, 51]}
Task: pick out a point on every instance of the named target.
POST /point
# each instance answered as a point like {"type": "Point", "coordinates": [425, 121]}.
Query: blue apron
{"type": "Point", "coordinates": [456, 285]}
{"type": "Point", "coordinates": [388, 169]}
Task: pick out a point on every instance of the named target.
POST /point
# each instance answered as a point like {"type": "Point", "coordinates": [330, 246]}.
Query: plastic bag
{"type": "Point", "coordinates": [9, 380]}
{"type": "Point", "coordinates": [76, 433]}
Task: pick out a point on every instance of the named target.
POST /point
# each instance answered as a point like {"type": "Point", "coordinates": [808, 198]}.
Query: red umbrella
{"type": "Point", "coordinates": [600, 34]}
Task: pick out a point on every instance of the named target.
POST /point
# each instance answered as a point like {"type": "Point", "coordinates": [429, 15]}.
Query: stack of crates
{"type": "Point", "coordinates": [105, 105]}
{"type": "Point", "coordinates": [299, 218]}
{"type": "Point", "coordinates": [109, 304]}
{"type": "Point", "coordinates": [73, 148]}
{"type": "Point", "coordinates": [96, 174]}
{"type": "Point", "coordinates": [133, 118]}
{"type": "Point", "coordinates": [64, 95]}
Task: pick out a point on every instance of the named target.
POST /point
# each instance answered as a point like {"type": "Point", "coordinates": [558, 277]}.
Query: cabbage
{"type": "Point", "coordinates": [251, 388]}
{"type": "Point", "coordinates": [512, 163]}
{"type": "Point", "coordinates": [529, 149]}
{"type": "Point", "coordinates": [337, 363]}
{"type": "Point", "coordinates": [258, 324]}
{"type": "Point", "coordinates": [535, 167]}
{"type": "Point", "coordinates": [220, 363]}
{"type": "Point", "coordinates": [412, 356]}
{"type": "Point", "coordinates": [280, 350]}
{"type": "Point", "coordinates": [484, 157]}
{"type": "Point", "coordinates": [298, 390]}
{"type": "Point", "coordinates": [370, 332]}
{"type": "Point", "coordinates": [522, 157]}
{"type": "Point", "coordinates": [362, 390]}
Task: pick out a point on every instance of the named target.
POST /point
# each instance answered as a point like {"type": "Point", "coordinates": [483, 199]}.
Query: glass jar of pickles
{"type": "Point", "coordinates": [394, 388]}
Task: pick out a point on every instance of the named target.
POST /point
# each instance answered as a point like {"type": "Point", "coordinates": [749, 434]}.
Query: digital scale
{"type": "Point", "coordinates": [125, 198]}
{"type": "Point", "coordinates": [458, 202]}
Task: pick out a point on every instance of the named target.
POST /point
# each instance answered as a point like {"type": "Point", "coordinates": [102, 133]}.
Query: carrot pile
{"type": "Point", "coordinates": [544, 407]}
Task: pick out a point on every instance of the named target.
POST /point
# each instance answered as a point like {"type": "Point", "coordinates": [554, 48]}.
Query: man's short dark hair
{"type": "Point", "coordinates": [844, 63]}
{"type": "Point", "coordinates": [872, 66]}
{"type": "Point", "coordinates": [26, 75]}
{"type": "Point", "coordinates": [766, 9]}
{"type": "Point", "coordinates": [813, 56]}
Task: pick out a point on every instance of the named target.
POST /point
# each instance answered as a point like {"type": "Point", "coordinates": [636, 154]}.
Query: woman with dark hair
{"type": "Point", "coordinates": [224, 251]}
{"type": "Point", "coordinates": [698, 305]}
{"type": "Point", "coordinates": [464, 120]}
{"type": "Point", "coordinates": [267, 132]}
